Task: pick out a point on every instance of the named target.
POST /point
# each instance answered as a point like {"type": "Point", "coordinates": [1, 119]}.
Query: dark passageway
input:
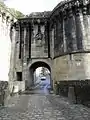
{"type": "Point", "coordinates": [41, 78]}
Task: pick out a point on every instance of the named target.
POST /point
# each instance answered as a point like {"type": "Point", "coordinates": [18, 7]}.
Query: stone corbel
{"type": "Point", "coordinates": [32, 21]}
{"type": "Point", "coordinates": [59, 16]}
{"type": "Point", "coordinates": [55, 19]}
{"type": "Point", "coordinates": [12, 21]}
{"type": "Point", "coordinates": [32, 24]}
{"type": "Point", "coordinates": [21, 22]}
{"type": "Point", "coordinates": [70, 12]}
{"type": "Point", "coordinates": [24, 24]}
{"type": "Point", "coordinates": [77, 3]}
{"type": "Point", "coordinates": [84, 10]}
{"type": "Point", "coordinates": [16, 26]}
{"type": "Point", "coordinates": [51, 24]}
{"type": "Point", "coordinates": [7, 19]}
{"type": "Point", "coordinates": [38, 21]}
{"type": "Point", "coordinates": [77, 8]}
{"type": "Point", "coordinates": [45, 22]}
{"type": "Point", "coordinates": [64, 10]}
{"type": "Point", "coordinates": [64, 14]}
{"type": "Point", "coordinates": [85, 2]}
{"type": "Point", "coordinates": [3, 16]}
{"type": "Point", "coordinates": [27, 24]}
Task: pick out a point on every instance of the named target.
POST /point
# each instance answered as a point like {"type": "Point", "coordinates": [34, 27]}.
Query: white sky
{"type": "Point", "coordinates": [28, 6]}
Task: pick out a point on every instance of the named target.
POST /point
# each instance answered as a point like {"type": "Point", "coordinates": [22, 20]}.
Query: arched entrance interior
{"type": "Point", "coordinates": [39, 67]}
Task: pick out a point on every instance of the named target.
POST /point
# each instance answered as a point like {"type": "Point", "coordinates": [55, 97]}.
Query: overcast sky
{"type": "Point", "coordinates": [28, 6]}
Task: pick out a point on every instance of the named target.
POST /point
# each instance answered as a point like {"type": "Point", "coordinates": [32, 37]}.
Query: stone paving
{"type": "Point", "coordinates": [43, 107]}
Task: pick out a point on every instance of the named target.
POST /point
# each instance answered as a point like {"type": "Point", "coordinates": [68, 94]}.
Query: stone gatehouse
{"type": "Point", "coordinates": [58, 40]}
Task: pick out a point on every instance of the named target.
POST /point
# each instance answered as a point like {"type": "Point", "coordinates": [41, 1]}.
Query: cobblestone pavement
{"type": "Point", "coordinates": [43, 107]}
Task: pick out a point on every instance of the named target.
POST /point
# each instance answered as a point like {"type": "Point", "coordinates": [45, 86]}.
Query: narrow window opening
{"type": "Point", "coordinates": [19, 76]}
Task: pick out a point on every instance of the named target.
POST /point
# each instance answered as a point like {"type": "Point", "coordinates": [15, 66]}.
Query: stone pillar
{"type": "Point", "coordinates": [86, 40]}
{"type": "Point", "coordinates": [52, 43]}
{"type": "Point", "coordinates": [29, 81]}
{"type": "Point", "coordinates": [86, 23]}
{"type": "Point", "coordinates": [80, 30]}
{"type": "Point", "coordinates": [12, 72]}
{"type": "Point", "coordinates": [64, 38]}
{"type": "Point", "coordinates": [31, 77]}
{"type": "Point", "coordinates": [29, 39]}
{"type": "Point", "coordinates": [71, 94]}
{"type": "Point", "coordinates": [69, 34]}
{"type": "Point", "coordinates": [24, 67]}
{"type": "Point", "coordinates": [51, 81]}
{"type": "Point", "coordinates": [27, 84]}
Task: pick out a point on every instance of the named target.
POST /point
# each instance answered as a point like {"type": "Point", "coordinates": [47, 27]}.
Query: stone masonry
{"type": "Point", "coordinates": [6, 20]}
{"type": "Point", "coordinates": [58, 40]}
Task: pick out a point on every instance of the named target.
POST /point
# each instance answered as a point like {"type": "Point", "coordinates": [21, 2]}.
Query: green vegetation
{"type": "Point", "coordinates": [16, 13]}
{"type": "Point", "coordinates": [12, 11]}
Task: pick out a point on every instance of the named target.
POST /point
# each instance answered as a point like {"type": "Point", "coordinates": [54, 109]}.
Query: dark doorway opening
{"type": "Point", "coordinates": [19, 76]}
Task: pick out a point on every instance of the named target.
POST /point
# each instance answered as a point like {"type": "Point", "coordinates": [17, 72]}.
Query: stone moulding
{"type": "Point", "coordinates": [73, 12]}
{"type": "Point", "coordinates": [75, 82]}
{"type": "Point", "coordinates": [68, 5]}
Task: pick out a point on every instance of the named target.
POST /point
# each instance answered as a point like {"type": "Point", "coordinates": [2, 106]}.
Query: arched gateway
{"type": "Point", "coordinates": [32, 67]}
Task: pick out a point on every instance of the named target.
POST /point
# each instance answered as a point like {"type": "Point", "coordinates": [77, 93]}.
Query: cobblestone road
{"type": "Point", "coordinates": [43, 107]}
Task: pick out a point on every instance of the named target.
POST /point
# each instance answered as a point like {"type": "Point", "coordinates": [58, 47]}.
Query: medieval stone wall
{"type": "Point", "coordinates": [70, 49]}
{"type": "Point", "coordinates": [6, 19]}
{"type": "Point", "coordinates": [69, 34]}
{"type": "Point", "coordinates": [6, 56]}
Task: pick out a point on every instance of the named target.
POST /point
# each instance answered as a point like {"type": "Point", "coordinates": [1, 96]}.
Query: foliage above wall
{"type": "Point", "coordinates": [16, 13]}
{"type": "Point", "coordinates": [12, 11]}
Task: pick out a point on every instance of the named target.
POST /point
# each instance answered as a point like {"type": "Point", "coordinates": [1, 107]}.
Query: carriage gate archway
{"type": "Point", "coordinates": [32, 67]}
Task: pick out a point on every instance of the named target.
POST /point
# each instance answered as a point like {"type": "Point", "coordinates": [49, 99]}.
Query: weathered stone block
{"type": "Point", "coordinates": [4, 91]}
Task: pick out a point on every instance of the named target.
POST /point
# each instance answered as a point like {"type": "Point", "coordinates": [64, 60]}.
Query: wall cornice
{"type": "Point", "coordinates": [70, 7]}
